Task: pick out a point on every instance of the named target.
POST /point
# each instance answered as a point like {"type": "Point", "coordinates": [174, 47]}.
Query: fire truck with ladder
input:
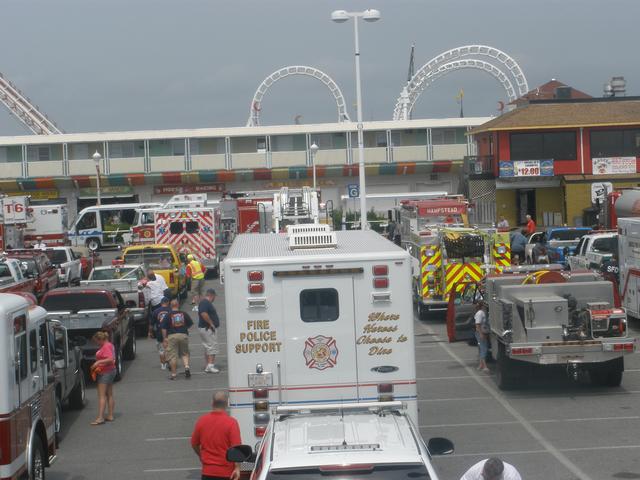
{"type": "Point", "coordinates": [27, 390]}
{"type": "Point", "coordinates": [13, 221]}
{"type": "Point", "coordinates": [445, 250]}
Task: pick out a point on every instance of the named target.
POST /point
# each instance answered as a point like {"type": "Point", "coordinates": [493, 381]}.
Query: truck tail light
{"type": "Point", "coordinates": [261, 393]}
{"type": "Point", "coordinates": [141, 301]}
{"type": "Point", "coordinates": [522, 351]}
{"type": "Point", "coordinates": [256, 288]}
{"type": "Point", "coordinates": [260, 431]}
{"type": "Point", "coordinates": [261, 415]}
{"type": "Point", "coordinates": [255, 275]}
{"type": "Point", "coordinates": [385, 392]}
{"type": "Point", "coordinates": [381, 282]}
{"type": "Point", "coordinates": [623, 347]}
{"type": "Point", "coordinates": [379, 270]}
{"type": "Point", "coordinates": [62, 270]}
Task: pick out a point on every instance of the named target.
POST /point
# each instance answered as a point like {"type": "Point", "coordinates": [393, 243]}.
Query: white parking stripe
{"type": "Point", "coordinates": [560, 420]}
{"type": "Point", "coordinates": [563, 459]}
{"type": "Point", "coordinates": [537, 452]}
{"type": "Point", "coordinates": [168, 470]}
{"type": "Point", "coordinates": [184, 412]}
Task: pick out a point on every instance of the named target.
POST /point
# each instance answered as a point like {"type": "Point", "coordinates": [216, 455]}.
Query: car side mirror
{"type": "Point", "coordinates": [240, 454]}
{"type": "Point", "coordinates": [440, 446]}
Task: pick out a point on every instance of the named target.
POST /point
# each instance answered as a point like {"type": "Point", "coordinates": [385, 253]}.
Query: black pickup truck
{"type": "Point", "coordinates": [85, 311]}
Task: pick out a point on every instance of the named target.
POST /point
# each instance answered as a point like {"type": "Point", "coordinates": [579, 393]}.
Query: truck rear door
{"type": "Point", "coordinates": [320, 352]}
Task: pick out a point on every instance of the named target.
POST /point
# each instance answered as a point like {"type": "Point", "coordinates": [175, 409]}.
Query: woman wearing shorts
{"type": "Point", "coordinates": [105, 369]}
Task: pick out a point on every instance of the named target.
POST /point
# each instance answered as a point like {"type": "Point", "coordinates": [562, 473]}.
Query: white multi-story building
{"type": "Point", "coordinates": [401, 156]}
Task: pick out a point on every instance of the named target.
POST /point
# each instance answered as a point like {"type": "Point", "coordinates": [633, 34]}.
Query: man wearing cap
{"type": "Point", "coordinates": [208, 323]}
{"type": "Point", "coordinates": [195, 271]}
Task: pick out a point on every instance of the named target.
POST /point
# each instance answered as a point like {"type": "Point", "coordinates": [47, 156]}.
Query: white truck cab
{"type": "Point", "coordinates": [317, 317]}
{"type": "Point", "coordinates": [593, 250]}
{"type": "Point", "coordinates": [374, 440]}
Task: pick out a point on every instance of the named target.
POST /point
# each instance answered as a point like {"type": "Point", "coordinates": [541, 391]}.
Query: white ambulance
{"type": "Point", "coordinates": [189, 230]}
{"type": "Point", "coordinates": [317, 317]}
{"type": "Point", "coordinates": [27, 391]}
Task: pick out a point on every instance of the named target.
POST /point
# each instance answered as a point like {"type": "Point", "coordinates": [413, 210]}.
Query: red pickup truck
{"type": "Point", "coordinates": [12, 277]}
{"type": "Point", "coordinates": [35, 265]}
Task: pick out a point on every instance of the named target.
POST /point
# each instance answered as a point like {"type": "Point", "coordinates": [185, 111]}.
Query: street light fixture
{"type": "Point", "coordinates": [97, 158]}
{"type": "Point", "coordinates": [370, 15]}
{"type": "Point", "coordinates": [314, 149]}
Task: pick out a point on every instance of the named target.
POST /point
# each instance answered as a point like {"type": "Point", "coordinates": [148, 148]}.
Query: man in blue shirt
{"type": "Point", "coordinates": [155, 328]}
{"type": "Point", "coordinates": [175, 336]}
{"type": "Point", "coordinates": [208, 323]}
{"type": "Point", "coordinates": [518, 243]}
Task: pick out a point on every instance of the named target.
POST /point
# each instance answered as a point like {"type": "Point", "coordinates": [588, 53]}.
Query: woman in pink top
{"type": "Point", "coordinates": [105, 370]}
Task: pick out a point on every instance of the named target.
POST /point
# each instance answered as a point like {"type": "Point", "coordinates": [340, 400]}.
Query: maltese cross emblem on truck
{"type": "Point", "coordinates": [321, 352]}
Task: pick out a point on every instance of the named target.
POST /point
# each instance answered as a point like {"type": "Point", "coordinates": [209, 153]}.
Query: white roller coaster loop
{"type": "Point", "coordinates": [481, 57]}
{"type": "Point", "coordinates": [256, 103]}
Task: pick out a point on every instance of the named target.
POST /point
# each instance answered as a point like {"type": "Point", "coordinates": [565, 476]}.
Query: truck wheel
{"type": "Point", "coordinates": [93, 244]}
{"type": "Point", "coordinates": [130, 348]}
{"type": "Point", "coordinates": [422, 311]}
{"type": "Point", "coordinates": [505, 370]}
{"type": "Point", "coordinates": [36, 468]}
{"type": "Point", "coordinates": [118, 364]}
{"type": "Point", "coordinates": [77, 396]}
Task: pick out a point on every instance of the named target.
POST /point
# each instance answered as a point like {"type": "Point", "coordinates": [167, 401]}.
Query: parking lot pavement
{"type": "Point", "coordinates": [552, 429]}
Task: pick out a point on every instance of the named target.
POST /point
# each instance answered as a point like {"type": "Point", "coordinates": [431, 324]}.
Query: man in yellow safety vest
{"type": "Point", "coordinates": [196, 272]}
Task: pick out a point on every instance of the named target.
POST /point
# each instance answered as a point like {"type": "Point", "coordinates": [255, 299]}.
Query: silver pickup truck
{"type": "Point", "coordinates": [123, 279]}
{"type": "Point", "coordinates": [593, 250]}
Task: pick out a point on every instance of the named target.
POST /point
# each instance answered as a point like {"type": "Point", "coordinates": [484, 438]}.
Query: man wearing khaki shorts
{"type": "Point", "coordinates": [208, 323]}
{"type": "Point", "coordinates": [175, 334]}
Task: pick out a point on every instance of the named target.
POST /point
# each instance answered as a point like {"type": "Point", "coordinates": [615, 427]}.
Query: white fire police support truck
{"type": "Point", "coordinates": [317, 317]}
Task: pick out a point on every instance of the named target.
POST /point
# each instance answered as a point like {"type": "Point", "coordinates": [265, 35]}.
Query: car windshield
{"type": "Point", "coordinates": [606, 245]}
{"type": "Point", "coordinates": [57, 256]}
{"type": "Point", "coordinates": [112, 273]}
{"type": "Point", "coordinates": [567, 235]}
{"type": "Point", "coordinates": [154, 258]}
{"type": "Point", "coordinates": [77, 301]}
{"type": "Point", "coordinates": [367, 472]}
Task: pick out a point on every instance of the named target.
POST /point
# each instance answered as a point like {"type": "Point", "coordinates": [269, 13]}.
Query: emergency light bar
{"type": "Point", "coordinates": [344, 407]}
{"type": "Point", "coordinates": [321, 271]}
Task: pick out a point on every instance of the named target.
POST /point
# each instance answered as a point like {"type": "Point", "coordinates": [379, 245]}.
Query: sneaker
{"type": "Point", "coordinates": [187, 373]}
{"type": "Point", "coordinates": [163, 366]}
{"type": "Point", "coordinates": [211, 369]}
{"type": "Point", "coordinates": [485, 370]}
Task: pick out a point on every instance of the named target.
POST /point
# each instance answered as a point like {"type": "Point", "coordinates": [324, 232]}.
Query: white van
{"type": "Point", "coordinates": [317, 317]}
{"type": "Point", "coordinates": [105, 225]}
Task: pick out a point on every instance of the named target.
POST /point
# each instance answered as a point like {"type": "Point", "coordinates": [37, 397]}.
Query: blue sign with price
{"type": "Point", "coordinates": [353, 190]}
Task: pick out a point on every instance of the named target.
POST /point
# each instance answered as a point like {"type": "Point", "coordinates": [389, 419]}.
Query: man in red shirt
{"type": "Point", "coordinates": [531, 225]}
{"type": "Point", "coordinates": [212, 436]}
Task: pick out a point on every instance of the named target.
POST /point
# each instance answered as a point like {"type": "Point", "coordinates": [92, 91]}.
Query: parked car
{"type": "Point", "coordinates": [36, 265]}
{"type": "Point", "coordinates": [557, 244]}
{"type": "Point", "coordinates": [124, 279]}
{"type": "Point", "coordinates": [593, 250]}
{"type": "Point", "coordinates": [85, 311]}
{"type": "Point", "coordinates": [68, 264]}
{"type": "Point", "coordinates": [164, 260]}
{"type": "Point", "coordinates": [12, 277]}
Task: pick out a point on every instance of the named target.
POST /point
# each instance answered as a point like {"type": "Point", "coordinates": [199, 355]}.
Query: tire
{"type": "Point", "coordinates": [57, 422]}
{"type": "Point", "coordinates": [130, 348]}
{"type": "Point", "coordinates": [93, 244]}
{"type": "Point", "coordinates": [38, 460]}
{"type": "Point", "coordinates": [505, 370]}
{"type": "Point", "coordinates": [78, 395]}
{"type": "Point", "coordinates": [422, 311]}
{"type": "Point", "coordinates": [610, 376]}
{"type": "Point", "coordinates": [119, 369]}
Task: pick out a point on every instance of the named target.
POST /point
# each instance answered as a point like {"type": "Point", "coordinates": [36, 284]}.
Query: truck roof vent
{"type": "Point", "coordinates": [313, 240]}
{"type": "Point", "coordinates": [308, 228]}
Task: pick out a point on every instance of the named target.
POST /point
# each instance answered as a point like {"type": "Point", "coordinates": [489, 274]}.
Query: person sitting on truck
{"type": "Point", "coordinates": [155, 329]}
{"type": "Point", "coordinates": [482, 335]}
{"type": "Point", "coordinates": [105, 369]}
{"type": "Point", "coordinates": [492, 469]}
{"type": "Point", "coordinates": [195, 271]}
{"type": "Point", "coordinates": [175, 338]}
{"type": "Point", "coordinates": [213, 434]}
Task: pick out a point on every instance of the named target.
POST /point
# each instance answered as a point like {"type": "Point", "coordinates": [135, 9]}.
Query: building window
{"type": "Point", "coordinates": [40, 153]}
{"type": "Point", "coordinates": [319, 305]}
{"type": "Point", "coordinates": [538, 146]}
{"type": "Point", "coordinates": [443, 136]}
{"type": "Point", "coordinates": [615, 143]}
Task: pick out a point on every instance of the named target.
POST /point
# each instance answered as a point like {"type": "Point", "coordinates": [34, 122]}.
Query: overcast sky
{"type": "Point", "coordinates": [101, 65]}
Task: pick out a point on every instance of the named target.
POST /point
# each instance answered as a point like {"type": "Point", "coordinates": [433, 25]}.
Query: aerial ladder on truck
{"type": "Point", "coordinates": [295, 206]}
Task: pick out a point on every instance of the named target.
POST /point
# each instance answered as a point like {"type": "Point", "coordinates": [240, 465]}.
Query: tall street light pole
{"type": "Point", "coordinates": [314, 149]}
{"type": "Point", "coordinates": [97, 158]}
{"type": "Point", "coordinates": [341, 16]}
